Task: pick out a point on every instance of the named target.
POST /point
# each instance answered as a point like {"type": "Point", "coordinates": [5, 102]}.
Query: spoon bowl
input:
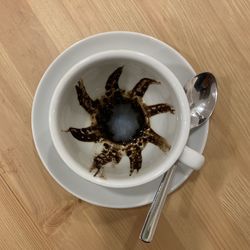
{"type": "Point", "coordinates": [201, 92]}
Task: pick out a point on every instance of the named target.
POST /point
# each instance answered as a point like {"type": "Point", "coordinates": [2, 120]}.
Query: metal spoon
{"type": "Point", "coordinates": [201, 92]}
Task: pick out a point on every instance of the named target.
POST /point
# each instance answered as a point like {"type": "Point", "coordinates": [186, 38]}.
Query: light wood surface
{"type": "Point", "coordinates": [211, 211]}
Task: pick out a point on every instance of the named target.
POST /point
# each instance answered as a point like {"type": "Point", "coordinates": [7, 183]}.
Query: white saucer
{"type": "Point", "coordinates": [87, 191]}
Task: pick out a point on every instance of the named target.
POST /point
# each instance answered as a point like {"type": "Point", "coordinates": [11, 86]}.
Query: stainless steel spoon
{"type": "Point", "coordinates": [201, 92]}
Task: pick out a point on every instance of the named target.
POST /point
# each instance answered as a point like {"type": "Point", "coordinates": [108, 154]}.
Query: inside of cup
{"type": "Point", "coordinates": [94, 76]}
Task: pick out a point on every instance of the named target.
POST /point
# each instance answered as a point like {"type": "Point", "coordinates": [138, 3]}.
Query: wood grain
{"type": "Point", "coordinates": [211, 211]}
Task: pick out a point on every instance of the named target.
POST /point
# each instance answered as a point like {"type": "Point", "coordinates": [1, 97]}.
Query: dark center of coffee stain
{"type": "Point", "coordinates": [121, 120]}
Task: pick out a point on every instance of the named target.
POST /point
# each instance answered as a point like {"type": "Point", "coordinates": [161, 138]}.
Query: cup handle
{"type": "Point", "coordinates": [192, 158]}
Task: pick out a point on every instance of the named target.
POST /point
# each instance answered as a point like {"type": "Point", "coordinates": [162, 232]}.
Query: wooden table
{"type": "Point", "coordinates": [211, 211]}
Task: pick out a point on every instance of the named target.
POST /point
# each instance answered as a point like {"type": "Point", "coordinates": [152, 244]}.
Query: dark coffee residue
{"type": "Point", "coordinates": [120, 120]}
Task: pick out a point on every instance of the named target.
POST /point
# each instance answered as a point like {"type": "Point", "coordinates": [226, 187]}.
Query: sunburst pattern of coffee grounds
{"type": "Point", "coordinates": [121, 121]}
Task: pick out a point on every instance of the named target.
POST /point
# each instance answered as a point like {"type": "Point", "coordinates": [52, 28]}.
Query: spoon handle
{"type": "Point", "coordinates": [150, 224]}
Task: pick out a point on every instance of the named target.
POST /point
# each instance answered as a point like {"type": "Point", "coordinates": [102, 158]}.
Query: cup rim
{"type": "Point", "coordinates": [181, 98]}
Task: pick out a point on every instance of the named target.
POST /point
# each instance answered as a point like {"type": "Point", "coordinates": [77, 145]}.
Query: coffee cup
{"type": "Point", "coordinates": [121, 170]}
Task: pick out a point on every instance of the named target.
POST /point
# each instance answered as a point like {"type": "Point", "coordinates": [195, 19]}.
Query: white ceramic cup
{"type": "Point", "coordinates": [66, 112]}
